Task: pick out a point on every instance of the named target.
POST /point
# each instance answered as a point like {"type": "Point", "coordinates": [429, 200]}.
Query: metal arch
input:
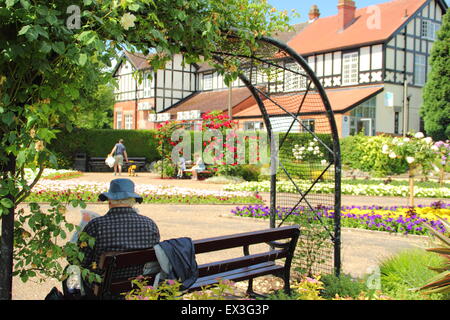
{"type": "Point", "coordinates": [336, 236]}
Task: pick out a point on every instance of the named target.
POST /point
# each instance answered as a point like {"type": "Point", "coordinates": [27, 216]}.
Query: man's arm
{"type": "Point", "coordinates": [113, 150]}
{"type": "Point", "coordinates": [126, 155]}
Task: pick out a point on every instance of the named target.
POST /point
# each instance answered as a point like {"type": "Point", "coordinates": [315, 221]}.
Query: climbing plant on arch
{"type": "Point", "coordinates": [51, 57]}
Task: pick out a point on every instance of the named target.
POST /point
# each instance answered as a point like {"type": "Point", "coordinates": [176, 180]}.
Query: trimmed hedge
{"type": "Point", "coordinates": [99, 143]}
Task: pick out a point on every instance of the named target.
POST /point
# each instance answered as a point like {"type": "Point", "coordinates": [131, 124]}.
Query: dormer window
{"type": "Point", "coordinates": [208, 81]}
{"type": "Point", "coordinates": [429, 29]}
{"type": "Point", "coordinates": [350, 62]}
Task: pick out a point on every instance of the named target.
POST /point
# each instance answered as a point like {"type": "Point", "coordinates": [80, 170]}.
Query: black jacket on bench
{"type": "Point", "coordinates": [181, 255]}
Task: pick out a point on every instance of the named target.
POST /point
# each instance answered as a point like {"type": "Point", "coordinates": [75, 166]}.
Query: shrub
{"type": "Point", "coordinates": [343, 286]}
{"type": "Point", "coordinates": [408, 270]}
{"type": "Point", "coordinates": [364, 153]}
{"type": "Point", "coordinates": [99, 143]}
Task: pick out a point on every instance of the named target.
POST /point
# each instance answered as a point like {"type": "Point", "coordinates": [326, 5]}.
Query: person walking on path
{"type": "Point", "coordinates": [119, 152]}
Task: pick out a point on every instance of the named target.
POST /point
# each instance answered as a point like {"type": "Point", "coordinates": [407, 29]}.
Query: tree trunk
{"type": "Point", "coordinates": [442, 176]}
{"type": "Point", "coordinates": [7, 241]}
{"type": "Point", "coordinates": [411, 187]}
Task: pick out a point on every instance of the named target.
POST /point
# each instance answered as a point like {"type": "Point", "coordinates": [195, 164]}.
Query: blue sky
{"type": "Point", "coordinates": [326, 7]}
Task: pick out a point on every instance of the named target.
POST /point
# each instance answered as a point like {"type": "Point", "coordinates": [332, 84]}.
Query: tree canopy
{"type": "Point", "coordinates": [436, 106]}
{"type": "Point", "coordinates": [51, 55]}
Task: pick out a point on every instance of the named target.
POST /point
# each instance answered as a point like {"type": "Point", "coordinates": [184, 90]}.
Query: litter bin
{"type": "Point", "coordinates": [80, 162]}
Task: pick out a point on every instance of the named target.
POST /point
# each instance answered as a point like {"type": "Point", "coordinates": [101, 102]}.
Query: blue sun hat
{"type": "Point", "coordinates": [120, 189]}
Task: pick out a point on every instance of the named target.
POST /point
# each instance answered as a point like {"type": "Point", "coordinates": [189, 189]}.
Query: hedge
{"type": "Point", "coordinates": [99, 143]}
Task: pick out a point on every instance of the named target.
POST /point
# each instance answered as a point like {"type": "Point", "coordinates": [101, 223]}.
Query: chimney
{"type": "Point", "coordinates": [314, 13]}
{"type": "Point", "coordinates": [346, 14]}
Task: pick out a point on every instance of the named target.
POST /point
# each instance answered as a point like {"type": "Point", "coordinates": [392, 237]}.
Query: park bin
{"type": "Point", "coordinates": [80, 162]}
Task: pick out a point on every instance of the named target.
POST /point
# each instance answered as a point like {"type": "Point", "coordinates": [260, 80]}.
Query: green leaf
{"type": "Point", "coordinates": [10, 3]}
{"type": "Point", "coordinates": [82, 59]}
{"type": "Point", "coordinates": [51, 19]}
{"type": "Point", "coordinates": [134, 7]}
{"type": "Point", "coordinates": [59, 47]}
{"type": "Point", "coordinates": [8, 118]}
{"type": "Point", "coordinates": [25, 4]}
{"type": "Point", "coordinates": [45, 47]}
{"type": "Point", "coordinates": [7, 203]}
{"type": "Point", "coordinates": [24, 30]}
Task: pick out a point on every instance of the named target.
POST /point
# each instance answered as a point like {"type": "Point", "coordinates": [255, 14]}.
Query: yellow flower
{"type": "Point", "coordinates": [83, 244]}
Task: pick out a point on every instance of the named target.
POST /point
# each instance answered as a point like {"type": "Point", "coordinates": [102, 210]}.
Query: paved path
{"type": "Point", "coordinates": [361, 250]}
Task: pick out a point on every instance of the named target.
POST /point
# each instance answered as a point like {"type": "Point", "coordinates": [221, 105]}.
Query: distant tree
{"type": "Point", "coordinates": [96, 111]}
{"type": "Point", "coordinates": [436, 106]}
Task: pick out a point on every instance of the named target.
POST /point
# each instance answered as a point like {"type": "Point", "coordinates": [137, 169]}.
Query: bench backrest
{"type": "Point", "coordinates": [115, 260]}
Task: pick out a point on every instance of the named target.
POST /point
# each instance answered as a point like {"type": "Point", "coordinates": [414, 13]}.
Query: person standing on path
{"type": "Point", "coordinates": [119, 152]}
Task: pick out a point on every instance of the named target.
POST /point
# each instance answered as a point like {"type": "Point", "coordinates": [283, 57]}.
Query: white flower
{"type": "Point", "coordinates": [419, 135]}
{"type": "Point", "coordinates": [429, 140]}
{"type": "Point", "coordinates": [127, 21]}
{"type": "Point", "coordinates": [310, 149]}
{"type": "Point", "coordinates": [406, 139]}
{"type": "Point", "coordinates": [385, 149]}
{"type": "Point", "coordinates": [392, 155]}
{"type": "Point", "coordinates": [435, 148]}
{"type": "Point", "coordinates": [324, 162]}
{"type": "Point", "coordinates": [410, 160]}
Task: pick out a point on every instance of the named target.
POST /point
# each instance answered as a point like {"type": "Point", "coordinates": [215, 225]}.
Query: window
{"type": "Point", "coordinates": [294, 78]}
{"type": "Point", "coordinates": [208, 81]}
{"type": "Point", "coordinates": [420, 69]}
{"type": "Point", "coordinates": [119, 120]}
{"type": "Point", "coordinates": [148, 85]}
{"type": "Point", "coordinates": [350, 68]}
{"type": "Point", "coordinates": [128, 121]}
{"type": "Point", "coordinates": [249, 126]}
{"type": "Point", "coordinates": [363, 118]}
{"type": "Point", "coordinates": [308, 125]}
{"type": "Point", "coordinates": [429, 29]}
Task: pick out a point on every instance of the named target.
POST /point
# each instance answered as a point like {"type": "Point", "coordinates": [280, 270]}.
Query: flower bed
{"type": "Point", "coordinates": [390, 219]}
{"type": "Point", "coordinates": [52, 174]}
{"type": "Point", "coordinates": [347, 188]}
{"type": "Point", "coordinates": [48, 190]}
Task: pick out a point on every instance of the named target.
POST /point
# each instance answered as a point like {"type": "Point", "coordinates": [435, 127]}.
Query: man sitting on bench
{"type": "Point", "coordinates": [121, 229]}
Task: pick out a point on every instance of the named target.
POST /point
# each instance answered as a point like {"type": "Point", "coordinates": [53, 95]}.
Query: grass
{"type": "Point", "coordinates": [408, 270]}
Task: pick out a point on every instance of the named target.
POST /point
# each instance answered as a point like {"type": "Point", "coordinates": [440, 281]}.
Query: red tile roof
{"type": "Point", "coordinates": [212, 100]}
{"type": "Point", "coordinates": [341, 100]}
{"type": "Point", "coordinates": [325, 34]}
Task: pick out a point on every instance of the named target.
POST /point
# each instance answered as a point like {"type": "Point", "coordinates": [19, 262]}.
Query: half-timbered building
{"type": "Point", "coordinates": [373, 63]}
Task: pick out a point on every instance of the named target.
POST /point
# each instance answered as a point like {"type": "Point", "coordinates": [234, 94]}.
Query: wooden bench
{"type": "Point", "coordinates": [97, 164]}
{"type": "Point", "coordinates": [246, 267]}
{"type": "Point", "coordinates": [205, 173]}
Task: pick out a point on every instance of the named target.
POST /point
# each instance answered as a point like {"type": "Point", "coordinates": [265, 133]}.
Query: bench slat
{"type": "Point", "coordinates": [241, 262]}
{"type": "Point", "coordinates": [239, 275]}
{"type": "Point", "coordinates": [242, 239]}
